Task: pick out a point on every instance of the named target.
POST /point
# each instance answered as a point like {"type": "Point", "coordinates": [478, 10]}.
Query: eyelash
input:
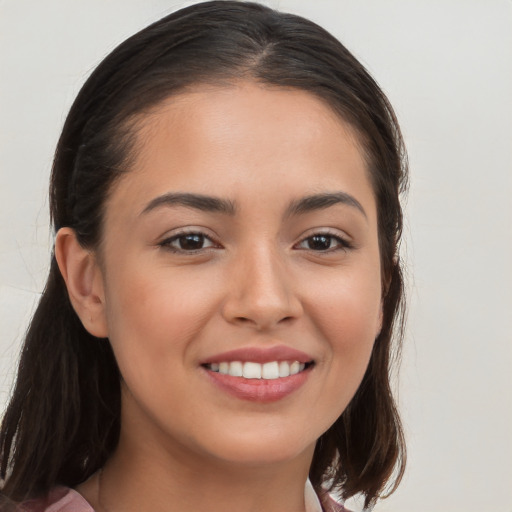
{"type": "Point", "coordinates": [341, 243]}
{"type": "Point", "coordinates": [167, 243]}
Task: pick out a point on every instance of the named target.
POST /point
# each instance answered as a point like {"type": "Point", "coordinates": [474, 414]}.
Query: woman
{"type": "Point", "coordinates": [216, 327]}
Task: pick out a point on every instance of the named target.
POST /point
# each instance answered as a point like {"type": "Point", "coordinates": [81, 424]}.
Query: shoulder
{"type": "Point", "coordinates": [331, 505]}
{"type": "Point", "coordinates": [321, 500]}
{"type": "Point", "coordinates": [59, 499]}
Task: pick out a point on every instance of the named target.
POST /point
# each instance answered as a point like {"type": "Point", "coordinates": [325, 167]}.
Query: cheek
{"type": "Point", "coordinates": [151, 308]}
{"type": "Point", "coordinates": [347, 316]}
{"type": "Point", "coordinates": [349, 302]}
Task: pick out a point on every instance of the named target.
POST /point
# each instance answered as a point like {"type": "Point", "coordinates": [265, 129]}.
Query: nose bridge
{"type": "Point", "coordinates": [261, 290]}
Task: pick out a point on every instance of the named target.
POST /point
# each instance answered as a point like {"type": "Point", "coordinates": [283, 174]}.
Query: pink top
{"type": "Point", "coordinates": [60, 499]}
{"type": "Point", "coordinates": [64, 499]}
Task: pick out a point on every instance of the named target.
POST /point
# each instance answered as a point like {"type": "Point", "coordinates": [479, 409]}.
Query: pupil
{"type": "Point", "coordinates": [319, 242]}
{"type": "Point", "coordinates": [191, 242]}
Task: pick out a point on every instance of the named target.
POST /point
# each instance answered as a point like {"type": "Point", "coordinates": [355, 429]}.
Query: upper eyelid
{"type": "Point", "coordinates": [342, 241]}
{"type": "Point", "coordinates": [167, 239]}
{"type": "Point", "coordinates": [345, 241]}
{"type": "Point", "coordinates": [193, 230]}
{"type": "Point", "coordinates": [200, 230]}
{"type": "Point", "coordinates": [334, 232]}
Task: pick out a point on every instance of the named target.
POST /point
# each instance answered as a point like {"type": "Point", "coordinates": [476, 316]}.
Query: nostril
{"type": "Point", "coordinates": [261, 312]}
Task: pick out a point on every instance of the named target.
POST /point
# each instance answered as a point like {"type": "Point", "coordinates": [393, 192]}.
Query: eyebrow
{"type": "Point", "coordinates": [196, 201]}
{"type": "Point", "coordinates": [321, 201]}
{"type": "Point", "coordinates": [218, 205]}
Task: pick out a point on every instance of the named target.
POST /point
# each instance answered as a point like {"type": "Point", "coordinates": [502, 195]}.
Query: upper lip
{"type": "Point", "coordinates": [260, 355]}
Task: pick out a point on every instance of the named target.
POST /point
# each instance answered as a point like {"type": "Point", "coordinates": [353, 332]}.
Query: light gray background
{"type": "Point", "coordinates": [447, 68]}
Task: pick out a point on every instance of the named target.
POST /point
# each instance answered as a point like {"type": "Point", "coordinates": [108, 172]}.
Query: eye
{"type": "Point", "coordinates": [188, 242]}
{"type": "Point", "coordinates": [323, 242]}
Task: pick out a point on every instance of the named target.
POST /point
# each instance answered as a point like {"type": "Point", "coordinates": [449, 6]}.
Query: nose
{"type": "Point", "coordinates": [261, 293]}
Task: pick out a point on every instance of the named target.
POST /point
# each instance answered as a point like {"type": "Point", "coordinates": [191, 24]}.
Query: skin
{"type": "Point", "coordinates": [185, 444]}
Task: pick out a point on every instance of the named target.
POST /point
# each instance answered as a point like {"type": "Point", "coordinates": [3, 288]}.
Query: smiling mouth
{"type": "Point", "coordinates": [252, 370]}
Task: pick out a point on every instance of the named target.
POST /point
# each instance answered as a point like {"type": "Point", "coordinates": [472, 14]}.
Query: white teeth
{"type": "Point", "coordinates": [251, 370]}
{"type": "Point", "coordinates": [294, 368]}
{"type": "Point", "coordinates": [270, 370]}
{"type": "Point", "coordinates": [235, 369]}
{"type": "Point", "coordinates": [284, 369]}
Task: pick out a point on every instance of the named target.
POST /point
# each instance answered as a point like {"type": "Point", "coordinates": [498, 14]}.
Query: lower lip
{"type": "Point", "coordinates": [259, 390]}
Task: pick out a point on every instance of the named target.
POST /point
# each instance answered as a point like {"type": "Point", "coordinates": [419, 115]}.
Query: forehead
{"type": "Point", "coordinates": [225, 140]}
{"type": "Point", "coordinates": [221, 112]}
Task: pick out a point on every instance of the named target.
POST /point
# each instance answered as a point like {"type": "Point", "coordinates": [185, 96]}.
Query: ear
{"type": "Point", "coordinates": [84, 281]}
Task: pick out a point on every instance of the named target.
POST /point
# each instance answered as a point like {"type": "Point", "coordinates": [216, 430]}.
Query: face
{"type": "Point", "coordinates": [241, 274]}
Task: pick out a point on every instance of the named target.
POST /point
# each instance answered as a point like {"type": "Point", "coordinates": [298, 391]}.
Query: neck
{"type": "Point", "coordinates": [151, 470]}
{"type": "Point", "coordinates": [154, 479]}
{"type": "Point", "coordinates": [139, 485]}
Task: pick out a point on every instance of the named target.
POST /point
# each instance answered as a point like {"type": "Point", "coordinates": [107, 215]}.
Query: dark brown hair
{"type": "Point", "coordinates": [63, 420]}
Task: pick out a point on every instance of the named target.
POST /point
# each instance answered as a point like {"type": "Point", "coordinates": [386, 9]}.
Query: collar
{"type": "Point", "coordinates": [311, 498]}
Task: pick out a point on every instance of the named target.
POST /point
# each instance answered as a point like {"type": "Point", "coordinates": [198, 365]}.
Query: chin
{"type": "Point", "coordinates": [261, 448]}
